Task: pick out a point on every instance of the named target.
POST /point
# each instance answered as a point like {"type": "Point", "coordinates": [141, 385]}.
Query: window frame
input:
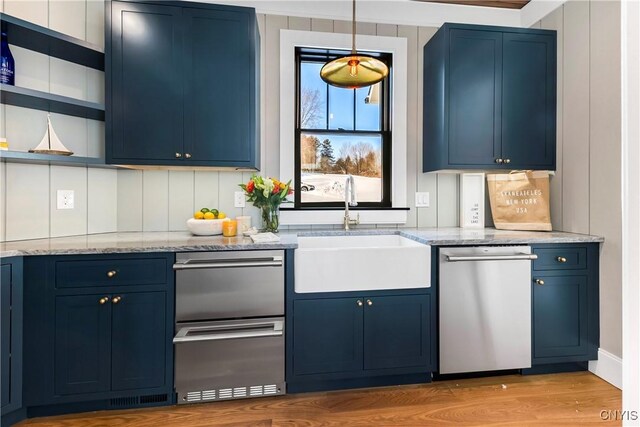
{"type": "Point", "coordinates": [303, 54]}
{"type": "Point", "coordinates": [402, 123]}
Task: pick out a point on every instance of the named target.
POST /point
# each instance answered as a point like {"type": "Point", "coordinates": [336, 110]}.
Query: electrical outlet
{"type": "Point", "coordinates": [239, 199]}
{"type": "Point", "coordinates": [65, 199]}
{"type": "Point", "coordinates": [422, 200]}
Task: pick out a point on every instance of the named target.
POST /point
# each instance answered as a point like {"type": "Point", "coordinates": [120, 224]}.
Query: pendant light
{"type": "Point", "coordinates": [354, 71]}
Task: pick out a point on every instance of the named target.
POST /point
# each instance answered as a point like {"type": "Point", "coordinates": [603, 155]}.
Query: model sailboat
{"type": "Point", "coordinates": [50, 143]}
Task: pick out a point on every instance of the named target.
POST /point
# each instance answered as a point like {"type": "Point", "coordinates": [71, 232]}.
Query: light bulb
{"type": "Point", "coordinates": [353, 71]}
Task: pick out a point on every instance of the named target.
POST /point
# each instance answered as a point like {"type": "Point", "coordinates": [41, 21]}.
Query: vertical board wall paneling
{"type": "Point", "coordinates": [27, 201]}
{"type": "Point", "coordinates": [181, 199]}
{"type": "Point", "coordinates": [129, 200]}
{"type": "Point", "coordinates": [68, 222]}
{"type": "Point", "coordinates": [427, 182]}
{"type": "Point", "coordinates": [605, 153]}
{"type": "Point", "coordinates": [576, 98]}
{"type": "Point", "coordinates": [205, 187]}
{"type": "Point", "coordinates": [554, 21]}
{"type": "Point", "coordinates": [323, 25]}
{"type": "Point", "coordinates": [271, 102]}
{"type": "Point", "coordinates": [413, 138]}
{"type": "Point", "coordinates": [102, 200]}
{"type": "Point", "coordinates": [155, 200]}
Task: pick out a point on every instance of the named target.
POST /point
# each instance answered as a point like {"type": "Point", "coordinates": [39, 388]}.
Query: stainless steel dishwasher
{"type": "Point", "coordinates": [485, 308]}
{"type": "Point", "coordinates": [229, 340]}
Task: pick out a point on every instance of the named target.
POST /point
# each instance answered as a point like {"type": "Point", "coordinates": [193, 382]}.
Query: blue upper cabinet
{"type": "Point", "coordinates": [489, 98]}
{"type": "Point", "coordinates": [182, 83]}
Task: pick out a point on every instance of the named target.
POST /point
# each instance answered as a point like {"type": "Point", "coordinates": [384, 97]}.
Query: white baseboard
{"type": "Point", "coordinates": [608, 367]}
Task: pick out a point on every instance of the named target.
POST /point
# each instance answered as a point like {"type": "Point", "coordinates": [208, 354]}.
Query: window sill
{"type": "Point", "coordinates": [328, 216]}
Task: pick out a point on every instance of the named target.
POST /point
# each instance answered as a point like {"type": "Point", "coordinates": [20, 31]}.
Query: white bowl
{"type": "Point", "coordinates": [205, 227]}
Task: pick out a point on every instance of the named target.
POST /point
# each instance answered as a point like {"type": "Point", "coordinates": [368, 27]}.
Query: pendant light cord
{"type": "Point", "coordinates": [353, 30]}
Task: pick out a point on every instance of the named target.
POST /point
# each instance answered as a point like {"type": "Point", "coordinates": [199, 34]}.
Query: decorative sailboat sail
{"type": "Point", "coordinates": [50, 143]}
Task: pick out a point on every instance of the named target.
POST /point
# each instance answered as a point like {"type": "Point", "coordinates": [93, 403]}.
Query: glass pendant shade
{"type": "Point", "coordinates": [354, 71]}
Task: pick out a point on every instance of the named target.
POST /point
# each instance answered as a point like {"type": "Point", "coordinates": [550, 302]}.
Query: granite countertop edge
{"type": "Point", "coordinates": [148, 242]}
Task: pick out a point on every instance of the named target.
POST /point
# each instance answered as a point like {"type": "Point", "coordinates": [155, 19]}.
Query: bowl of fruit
{"type": "Point", "coordinates": [206, 222]}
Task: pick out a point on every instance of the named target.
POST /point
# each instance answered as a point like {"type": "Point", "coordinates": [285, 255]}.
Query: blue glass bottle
{"type": "Point", "coordinates": [7, 64]}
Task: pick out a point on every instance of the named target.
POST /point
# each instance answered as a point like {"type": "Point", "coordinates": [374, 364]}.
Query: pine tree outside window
{"type": "Point", "coordinates": [340, 132]}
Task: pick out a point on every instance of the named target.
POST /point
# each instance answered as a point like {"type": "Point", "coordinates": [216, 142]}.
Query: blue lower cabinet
{"type": "Point", "coordinates": [359, 341]}
{"type": "Point", "coordinates": [560, 316]}
{"type": "Point", "coordinates": [82, 344]}
{"type": "Point", "coordinates": [92, 344]}
{"type": "Point", "coordinates": [138, 340]}
{"type": "Point", "coordinates": [565, 304]}
{"type": "Point", "coordinates": [327, 335]}
{"type": "Point", "coordinates": [396, 332]}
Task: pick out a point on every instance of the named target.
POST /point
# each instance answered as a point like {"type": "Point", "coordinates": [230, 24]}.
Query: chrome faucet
{"type": "Point", "coordinates": [350, 200]}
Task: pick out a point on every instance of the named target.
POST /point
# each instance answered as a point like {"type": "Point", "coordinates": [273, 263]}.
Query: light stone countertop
{"type": "Point", "coordinates": [182, 241]}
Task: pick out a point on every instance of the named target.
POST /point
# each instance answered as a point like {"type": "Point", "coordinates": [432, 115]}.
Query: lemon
{"type": "Point", "coordinates": [221, 215]}
{"type": "Point", "coordinates": [204, 210]}
{"type": "Point", "coordinates": [209, 215]}
{"type": "Point", "coordinates": [198, 215]}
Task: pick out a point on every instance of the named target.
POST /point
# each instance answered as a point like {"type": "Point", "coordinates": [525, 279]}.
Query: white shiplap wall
{"type": "Point", "coordinates": [28, 192]}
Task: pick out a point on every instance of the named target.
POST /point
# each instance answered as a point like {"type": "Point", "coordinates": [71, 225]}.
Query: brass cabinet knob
{"type": "Point", "coordinates": [539, 282]}
{"type": "Point", "coordinates": [178, 155]}
{"type": "Point", "coordinates": [499, 161]}
{"type": "Point", "coordinates": [116, 300]}
{"type": "Point", "coordinates": [359, 303]}
{"type": "Point", "coordinates": [561, 259]}
{"type": "Point", "coordinates": [187, 155]}
{"type": "Point", "coordinates": [369, 302]}
{"type": "Point", "coordinates": [111, 273]}
{"type": "Point", "coordinates": [103, 300]}
{"type": "Point", "coordinates": [507, 161]}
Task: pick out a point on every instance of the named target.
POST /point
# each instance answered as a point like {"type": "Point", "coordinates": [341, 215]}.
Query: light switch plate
{"type": "Point", "coordinates": [239, 199]}
{"type": "Point", "coordinates": [422, 200]}
{"type": "Point", "coordinates": [65, 199]}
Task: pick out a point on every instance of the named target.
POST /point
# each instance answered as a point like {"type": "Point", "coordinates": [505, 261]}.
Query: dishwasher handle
{"type": "Point", "coordinates": [514, 257]}
{"type": "Point", "coordinates": [229, 332]}
{"type": "Point", "coordinates": [275, 261]}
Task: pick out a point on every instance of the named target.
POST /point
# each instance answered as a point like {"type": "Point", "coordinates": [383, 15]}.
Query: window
{"type": "Point", "coordinates": [340, 132]}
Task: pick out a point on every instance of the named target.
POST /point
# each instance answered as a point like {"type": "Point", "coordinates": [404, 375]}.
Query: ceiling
{"type": "Point", "coordinates": [505, 4]}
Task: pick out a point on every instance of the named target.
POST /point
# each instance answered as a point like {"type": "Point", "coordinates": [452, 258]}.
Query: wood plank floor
{"type": "Point", "coordinates": [543, 400]}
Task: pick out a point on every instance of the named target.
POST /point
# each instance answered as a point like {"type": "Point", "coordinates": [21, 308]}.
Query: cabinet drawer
{"type": "Point", "coordinates": [559, 258]}
{"type": "Point", "coordinates": [111, 272]}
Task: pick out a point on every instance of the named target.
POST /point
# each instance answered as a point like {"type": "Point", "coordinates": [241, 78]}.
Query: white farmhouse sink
{"type": "Point", "coordinates": [361, 263]}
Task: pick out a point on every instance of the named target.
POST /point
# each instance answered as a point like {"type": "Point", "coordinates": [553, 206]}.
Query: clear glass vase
{"type": "Point", "coordinates": [270, 218]}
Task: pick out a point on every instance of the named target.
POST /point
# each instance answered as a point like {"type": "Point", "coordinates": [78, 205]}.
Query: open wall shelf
{"type": "Point", "coordinates": [29, 98]}
{"type": "Point", "coordinates": [50, 159]}
{"type": "Point", "coordinates": [40, 39]}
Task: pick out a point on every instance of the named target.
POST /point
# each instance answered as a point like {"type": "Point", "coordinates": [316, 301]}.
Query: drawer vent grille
{"type": "Point", "coordinates": [133, 401]}
{"type": "Point", "coordinates": [231, 393]}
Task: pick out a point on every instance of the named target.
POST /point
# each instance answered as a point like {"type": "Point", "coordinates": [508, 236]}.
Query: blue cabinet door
{"type": "Point", "coordinates": [144, 84]}
{"type": "Point", "coordinates": [5, 334]}
{"type": "Point", "coordinates": [327, 335]}
{"type": "Point", "coordinates": [82, 344]}
{"type": "Point", "coordinates": [529, 100]}
{"type": "Point", "coordinates": [396, 331]}
{"type": "Point", "coordinates": [560, 316]}
{"type": "Point", "coordinates": [138, 340]}
{"type": "Point", "coordinates": [219, 87]}
{"type": "Point", "coordinates": [474, 87]}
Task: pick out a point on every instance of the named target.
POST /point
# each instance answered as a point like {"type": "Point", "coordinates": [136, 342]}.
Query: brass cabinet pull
{"type": "Point", "coordinates": [539, 282]}
{"type": "Point", "coordinates": [499, 161]}
{"type": "Point", "coordinates": [178, 155]}
{"type": "Point", "coordinates": [359, 303]}
{"type": "Point", "coordinates": [187, 155]}
{"type": "Point", "coordinates": [111, 274]}
{"type": "Point", "coordinates": [116, 300]}
{"type": "Point", "coordinates": [561, 259]}
{"type": "Point", "coordinates": [369, 302]}
{"type": "Point", "coordinates": [103, 300]}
